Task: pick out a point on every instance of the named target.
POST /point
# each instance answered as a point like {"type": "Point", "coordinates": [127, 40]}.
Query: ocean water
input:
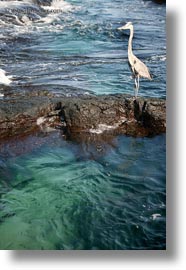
{"type": "Point", "coordinates": [69, 195]}
{"type": "Point", "coordinates": [76, 48]}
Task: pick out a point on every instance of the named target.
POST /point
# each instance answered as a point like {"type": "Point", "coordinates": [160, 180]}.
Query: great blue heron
{"type": "Point", "coordinates": [139, 69]}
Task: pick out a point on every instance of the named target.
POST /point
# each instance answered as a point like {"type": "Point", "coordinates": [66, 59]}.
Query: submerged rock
{"type": "Point", "coordinates": [79, 116]}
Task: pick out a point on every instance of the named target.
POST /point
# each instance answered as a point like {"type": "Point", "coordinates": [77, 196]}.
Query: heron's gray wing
{"type": "Point", "coordinates": [141, 68]}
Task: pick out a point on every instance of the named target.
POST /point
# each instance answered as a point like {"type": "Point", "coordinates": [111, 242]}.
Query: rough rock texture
{"type": "Point", "coordinates": [141, 117]}
{"type": "Point", "coordinates": [77, 116]}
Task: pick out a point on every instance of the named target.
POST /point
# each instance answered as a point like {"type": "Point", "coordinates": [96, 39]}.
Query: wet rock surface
{"type": "Point", "coordinates": [78, 116]}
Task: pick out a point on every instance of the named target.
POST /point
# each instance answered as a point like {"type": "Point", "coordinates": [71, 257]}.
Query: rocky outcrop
{"type": "Point", "coordinates": [141, 117]}
{"type": "Point", "coordinates": [78, 116]}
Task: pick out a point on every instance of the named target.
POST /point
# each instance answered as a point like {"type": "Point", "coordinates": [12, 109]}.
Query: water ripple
{"type": "Point", "coordinates": [36, 35]}
{"type": "Point", "coordinates": [59, 201]}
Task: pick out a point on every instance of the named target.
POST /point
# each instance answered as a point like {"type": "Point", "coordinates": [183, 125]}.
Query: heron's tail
{"type": "Point", "coordinates": [150, 77]}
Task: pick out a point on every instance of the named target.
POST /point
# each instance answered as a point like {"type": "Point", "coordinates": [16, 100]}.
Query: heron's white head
{"type": "Point", "coordinates": [126, 26]}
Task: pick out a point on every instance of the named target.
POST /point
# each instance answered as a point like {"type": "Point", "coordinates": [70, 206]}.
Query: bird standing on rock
{"type": "Point", "coordinates": [139, 69]}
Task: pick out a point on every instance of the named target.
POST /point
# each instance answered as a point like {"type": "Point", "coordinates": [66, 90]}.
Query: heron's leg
{"type": "Point", "coordinates": [138, 82]}
{"type": "Point", "coordinates": [136, 87]}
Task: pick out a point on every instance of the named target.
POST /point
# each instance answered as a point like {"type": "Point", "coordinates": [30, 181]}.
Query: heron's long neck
{"type": "Point", "coordinates": [130, 41]}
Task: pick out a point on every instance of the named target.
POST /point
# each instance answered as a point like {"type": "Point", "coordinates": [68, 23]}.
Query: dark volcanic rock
{"type": "Point", "coordinates": [77, 116]}
{"type": "Point", "coordinates": [121, 113]}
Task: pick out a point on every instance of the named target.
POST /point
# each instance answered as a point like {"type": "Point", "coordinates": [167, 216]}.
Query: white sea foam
{"type": "Point", "coordinates": [60, 5]}
{"type": "Point", "coordinates": [25, 20]}
{"type": "Point", "coordinates": [155, 216]}
{"type": "Point", "coordinates": [48, 19]}
{"type": "Point", "coordinates": [40, 121]}
{"type": "Point", "coordinates": [19, 13]}
{"type": "Point", "coordinates": [159, 57]}
{"type": "Point", "coordinates": [103, 127]}
{"type": "Point", "coordinates": [4, 79]}
{"type": "Point", "coordinates": [15, 4]}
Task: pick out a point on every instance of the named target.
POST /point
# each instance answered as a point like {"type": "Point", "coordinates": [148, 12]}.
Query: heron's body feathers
{"type": "Point", "coordinates": [139, 68]}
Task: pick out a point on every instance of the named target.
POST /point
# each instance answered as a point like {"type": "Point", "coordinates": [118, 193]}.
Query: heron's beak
{"type": "Point", "coordinates": [122, 28]}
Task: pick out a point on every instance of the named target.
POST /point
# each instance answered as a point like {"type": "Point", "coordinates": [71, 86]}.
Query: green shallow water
{"type": "Point", "coordinates": [79, 196]}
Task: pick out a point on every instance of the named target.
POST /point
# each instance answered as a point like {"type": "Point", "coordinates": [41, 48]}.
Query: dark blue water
{"type": "Point", "coordinates": [67, 195]}
{"type": "Point", "coordinates": [81, 50]}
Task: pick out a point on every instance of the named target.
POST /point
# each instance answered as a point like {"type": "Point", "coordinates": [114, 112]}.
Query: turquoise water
{"type": "Point", "coordinates": [57, 194]}
{"type": "Point", "coordinates": [76, 196]}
